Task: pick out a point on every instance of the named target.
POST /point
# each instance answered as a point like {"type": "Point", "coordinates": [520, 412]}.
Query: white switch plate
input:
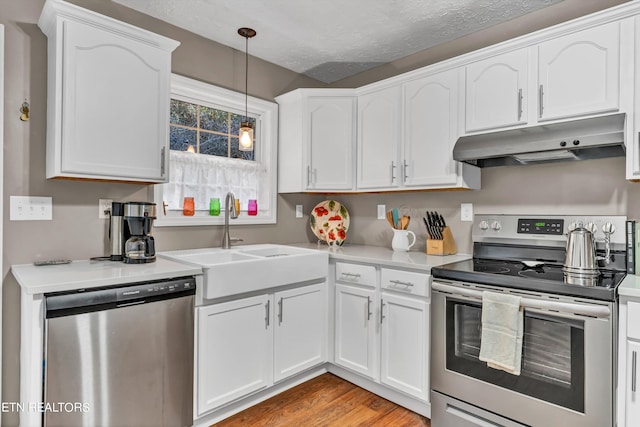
{"type": "Point", "coordinates": [466, 211]}
{"type": "Point", "coordinates": [382, 211]}
{"type": "Point", "coordinates": [104, 205]}
{"type": "Point", "coordinates": [299, 211]}
{"type": "Point", "coordinates": [25, 208]}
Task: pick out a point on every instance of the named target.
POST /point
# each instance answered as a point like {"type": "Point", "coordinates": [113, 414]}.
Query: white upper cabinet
{"type": "Point", "coordinates": [316, 147]}
{"type": "Point", "coordinates": [379, 133]}
{"type": "Point", "coordinates": [431, 130]}
{"type": "Point", "coordinates": [579, 74]}
{"type": "Point", "coordinates": [108, 97]}
{"type": "Point", "coordinates": [406, 134]}
{"type": "Point", "coordinates": [331, 137]}
{"type": "Point", "coordinates": [496, 90]}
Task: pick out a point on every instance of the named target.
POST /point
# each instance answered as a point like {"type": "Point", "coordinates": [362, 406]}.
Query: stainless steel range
{"type": "Point", "coordinates": [568, 336]}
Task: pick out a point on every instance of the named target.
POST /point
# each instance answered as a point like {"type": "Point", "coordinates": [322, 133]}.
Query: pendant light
{"type": "Point", "coordinates": [246, 129]}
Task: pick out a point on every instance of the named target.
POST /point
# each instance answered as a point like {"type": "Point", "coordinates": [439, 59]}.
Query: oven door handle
{"type": "Point", "coordinates": [561, 307]}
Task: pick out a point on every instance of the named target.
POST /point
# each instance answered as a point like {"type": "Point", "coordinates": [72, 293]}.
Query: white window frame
{"type": "Point", "coordinates": [266, 113]}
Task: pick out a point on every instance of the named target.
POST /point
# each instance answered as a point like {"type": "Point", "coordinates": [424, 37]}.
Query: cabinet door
{"type": "Point", "coordinates": [579, 73]}
{"type": "Point", "coordinates": [496, 91]}
{"type": "Point", "coordinates": [379, 130]}
{"type": "Point", "coordinates": [405, 344]}
{"type": "Point", "coordinates": [300, 333]}
{"type": "Point", "coordinates": [632, 392]}
{"type": "Point", "coordinates": [430, 125]}
{"type": "Point", "coordinates": [115, 105]}
{"type": "Point", "coordinates": [235, 344]}
{"type": "Point", "coordinates": [331, 133]}
{"type": "Point", "coordinates": [355, 330]}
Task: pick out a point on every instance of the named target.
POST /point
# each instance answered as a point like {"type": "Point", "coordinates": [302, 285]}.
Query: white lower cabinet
{"type": "Point", "coordinates": [632, 391]}
{"type": "Point", "coordinates": [248, 344]}
{"type": "Point", "coordinates": [628, 411]}
{"type": "Point", "coordinates": [404, 347]}
{"type": "Point", "coordinates": [382, 329]}
{"type": "Point", "coordinates": [355, 334]}
{"type": "Point", "coordinates": [300, 332]}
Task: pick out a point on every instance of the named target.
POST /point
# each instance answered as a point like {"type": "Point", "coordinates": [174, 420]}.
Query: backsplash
{"type": "Point", "coordinates": [595, 187]}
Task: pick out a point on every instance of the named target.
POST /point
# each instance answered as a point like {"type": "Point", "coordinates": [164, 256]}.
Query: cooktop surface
{"type": "Point", "coordinates": [548, 278]}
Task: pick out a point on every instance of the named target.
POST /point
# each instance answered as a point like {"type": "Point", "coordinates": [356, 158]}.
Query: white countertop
{"type": "Point", "coordinates": [630, 286]}
{"type": "Point", "coordinates": [91, 274]}
{"type": "Point", "coordinates": [87, 274]}
{"type": "Point", "coordinates": [385, 256]}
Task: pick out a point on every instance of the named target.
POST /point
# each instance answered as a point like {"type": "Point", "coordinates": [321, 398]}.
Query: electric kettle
{"type": "Point", "coordinates": [580, 258]}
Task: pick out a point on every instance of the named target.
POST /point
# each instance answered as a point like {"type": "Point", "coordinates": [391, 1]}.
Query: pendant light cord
{"type": "Point", "coordinates": [246, 78]}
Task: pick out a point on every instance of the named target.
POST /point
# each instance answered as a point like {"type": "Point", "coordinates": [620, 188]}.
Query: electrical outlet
{"type": "Point", "coordinates": [466, 212]}
{"type": "Point", "coordinates": [104, 205]}
{"type": "Point", "coordinates": [24, 208]}
{"type": "Point", "coordinates": [382, 211]}
{"type": "Point", "coordinates": [299, 213]}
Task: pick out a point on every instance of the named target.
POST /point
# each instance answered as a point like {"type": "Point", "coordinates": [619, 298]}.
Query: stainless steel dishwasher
{"type": "Point", "coordinates": [120, 356]}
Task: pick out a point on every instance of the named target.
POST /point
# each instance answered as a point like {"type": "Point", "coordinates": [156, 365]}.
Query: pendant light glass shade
{"type": "Point", "coordinates": [245, 142]}
{"type": "Point", "coordinates": [246, 137]}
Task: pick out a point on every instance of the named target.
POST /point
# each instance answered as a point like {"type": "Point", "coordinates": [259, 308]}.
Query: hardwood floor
{"type": "Point", "coordinates": [326, 401]}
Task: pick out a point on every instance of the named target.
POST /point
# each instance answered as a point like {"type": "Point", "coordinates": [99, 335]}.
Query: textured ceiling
{"type": "Point", "coordinates": [333, 39]}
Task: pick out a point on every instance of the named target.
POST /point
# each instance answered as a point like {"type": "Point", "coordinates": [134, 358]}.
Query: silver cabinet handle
{"type": "Point", "coordinates": [634, 359]}
{"type": "Point", "coordinates": [280, 312]}
{"type": "Point", "coordinates": [404, 170]}
{"type": "Point", "coordinates": [308, 175]}
{"type": "Point", "coordinates": [162, 154]}
{"type": "Point", "coordinates": [400, 282]}
{"type": "Point", "coordinates": [541, 100]}
{"type": "Point", "coordinates": [368, 308]}
{"type": "Point", "coordinates": [351, 275]}
{"type": "Point", "coordinates": [266, 318]}
{"type": "Point", "coordinates": [519, 104]}
{"type": "Point", "coordinates": [393, 175]}
{"type": "Point", "coordinates": [382, 304]}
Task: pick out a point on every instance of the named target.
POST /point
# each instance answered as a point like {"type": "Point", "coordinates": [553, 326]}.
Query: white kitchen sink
{"type": "Point", "coordinates": [252, 268]}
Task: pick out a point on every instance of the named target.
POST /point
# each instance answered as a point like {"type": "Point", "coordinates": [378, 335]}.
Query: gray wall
{"type": "Point", "coordinates": [593, 187]}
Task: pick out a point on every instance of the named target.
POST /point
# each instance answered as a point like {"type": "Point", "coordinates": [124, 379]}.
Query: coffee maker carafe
{"type": "Point", "coordinates": [139, 245]}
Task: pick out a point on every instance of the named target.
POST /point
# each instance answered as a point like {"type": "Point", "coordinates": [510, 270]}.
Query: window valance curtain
{"type": "Point", "coordinates": [203, 177]}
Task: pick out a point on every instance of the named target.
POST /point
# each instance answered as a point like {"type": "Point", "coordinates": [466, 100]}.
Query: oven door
{"type": "Point", "coordinates": [567, 360]}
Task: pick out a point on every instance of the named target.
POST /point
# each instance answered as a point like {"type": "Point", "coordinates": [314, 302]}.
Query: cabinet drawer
{"type": "Point", "coordinates": [633, 320]}
{"type": "Point", "coordinates": [356, 273]}
{"type": "Point", "coordinates": [406, 281]}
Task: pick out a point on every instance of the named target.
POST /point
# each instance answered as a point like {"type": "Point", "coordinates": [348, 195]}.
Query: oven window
{"type": "Point", "coordinates": [552, 359]}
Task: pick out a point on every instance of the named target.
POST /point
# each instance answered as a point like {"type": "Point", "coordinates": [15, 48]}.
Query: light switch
{"type": "Point", "coordinates": [382, 211]}
{"type": "Point", "coordinates": [25, 208]}
{"type": "Point", "coordinates": [299, 213]}
{"type": "Point", "coordinates": [466, 212]}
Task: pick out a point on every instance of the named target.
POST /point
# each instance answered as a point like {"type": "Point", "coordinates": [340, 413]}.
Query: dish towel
{"type": "Point", "coordinates": [502, 330]}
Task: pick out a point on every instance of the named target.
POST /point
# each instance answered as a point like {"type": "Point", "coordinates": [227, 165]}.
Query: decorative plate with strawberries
{"type": "Point", "coordinates": [329, 221]}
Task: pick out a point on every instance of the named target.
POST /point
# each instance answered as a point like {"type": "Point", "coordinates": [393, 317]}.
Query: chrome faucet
{"type": "Point", "coordinates": [229, 209]}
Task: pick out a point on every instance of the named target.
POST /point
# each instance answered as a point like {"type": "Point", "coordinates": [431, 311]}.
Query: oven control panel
{"type": "Point", "coordinates": [540, 226]}
{"type": "Point", "coordinates": [550, 230]}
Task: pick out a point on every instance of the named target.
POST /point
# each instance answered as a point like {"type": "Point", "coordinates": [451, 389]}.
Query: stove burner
{"type": "Point", "coordinates": [493, 269]}
{"type": "Point", "coordinates": [542, 273]}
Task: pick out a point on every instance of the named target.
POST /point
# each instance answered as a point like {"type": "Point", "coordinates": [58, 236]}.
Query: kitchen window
{"type": "Point", "coordinates": [204, 159]}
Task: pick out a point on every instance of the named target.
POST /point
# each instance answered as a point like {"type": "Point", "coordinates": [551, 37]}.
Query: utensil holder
{"type": "Point", "coordinates": [446, 246]}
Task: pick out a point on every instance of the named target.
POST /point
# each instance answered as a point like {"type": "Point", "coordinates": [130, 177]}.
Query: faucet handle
{"type": "Point", "coordinates": [236, 239]}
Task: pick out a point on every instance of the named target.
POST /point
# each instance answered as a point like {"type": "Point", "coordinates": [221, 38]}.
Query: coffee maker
{"type": "Point", "coordinates": [133, 244]}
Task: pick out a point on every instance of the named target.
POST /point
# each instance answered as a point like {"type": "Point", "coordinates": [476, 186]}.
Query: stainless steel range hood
{"type": "Point", "coordinates": [583, 139]}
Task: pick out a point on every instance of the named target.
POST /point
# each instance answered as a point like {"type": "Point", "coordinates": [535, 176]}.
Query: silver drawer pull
{"type": "Point", "coordinates": [400, 282]}
{"type": "Point", "coordinates": [351, 275]}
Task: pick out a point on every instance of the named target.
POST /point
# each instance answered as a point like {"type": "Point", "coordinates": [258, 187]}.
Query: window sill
{"type": "Point", "coordinates": [175, 219]}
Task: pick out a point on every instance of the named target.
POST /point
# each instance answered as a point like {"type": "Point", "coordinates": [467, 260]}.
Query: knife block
{"type": "Point", "coordinates": [446, 246]}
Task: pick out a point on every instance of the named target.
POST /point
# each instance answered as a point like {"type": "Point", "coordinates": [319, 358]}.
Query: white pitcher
{"type": "Point", "coordinates": [400, 241]}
